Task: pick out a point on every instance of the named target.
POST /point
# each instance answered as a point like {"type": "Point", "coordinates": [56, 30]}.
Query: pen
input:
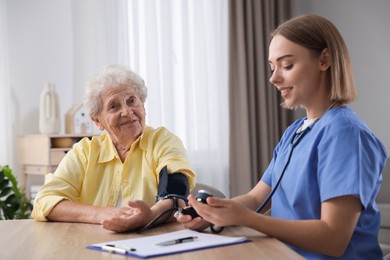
{"type": "Point", "coordinates": [177, 241]}
{"type": "Point", "coordinates": [115, 249]}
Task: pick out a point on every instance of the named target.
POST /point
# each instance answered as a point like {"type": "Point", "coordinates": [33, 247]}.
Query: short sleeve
{"type": "Point", "coordinates": [168, 150]}
{"type": "Point", "coordinates": [64, 184]}
{"type": "Point", "coordinates": [349, 163]}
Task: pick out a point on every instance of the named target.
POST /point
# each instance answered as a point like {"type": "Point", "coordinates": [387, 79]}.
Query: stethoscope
{"type": "Point", "coordinates": [295, 140]}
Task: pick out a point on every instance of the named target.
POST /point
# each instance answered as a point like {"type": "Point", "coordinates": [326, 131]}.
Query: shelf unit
{"type": "Point", "coordinates": [41, 154]}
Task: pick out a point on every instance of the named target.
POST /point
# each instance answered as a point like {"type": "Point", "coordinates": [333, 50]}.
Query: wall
{"type": "Point", "coordinates": [40, 49]}
{"type": "Point", "coordinates": [62, 42]}
{"type": "Point", "coordinates": [363, 25]}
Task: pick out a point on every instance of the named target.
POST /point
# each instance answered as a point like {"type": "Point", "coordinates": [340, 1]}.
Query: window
{"type": "Point", "coordinates": [180, 48]}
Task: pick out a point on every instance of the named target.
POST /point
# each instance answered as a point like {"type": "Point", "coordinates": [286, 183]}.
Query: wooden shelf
{"type": "Point", "coordinates": [41, 154]}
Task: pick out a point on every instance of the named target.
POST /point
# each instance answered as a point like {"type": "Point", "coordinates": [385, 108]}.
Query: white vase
{"type": "Point", "coordinates": [49, 111]}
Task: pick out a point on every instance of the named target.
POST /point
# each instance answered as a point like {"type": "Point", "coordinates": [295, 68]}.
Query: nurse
{"type": "Point", "coordinates": [324, 206]}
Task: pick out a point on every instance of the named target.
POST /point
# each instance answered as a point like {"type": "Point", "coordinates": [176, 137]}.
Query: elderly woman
{"type": "Point", "coordinates": [117, 179]}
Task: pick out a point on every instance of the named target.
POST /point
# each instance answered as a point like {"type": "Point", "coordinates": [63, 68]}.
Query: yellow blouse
{"type": "Point", "coordinates": [92, 173]}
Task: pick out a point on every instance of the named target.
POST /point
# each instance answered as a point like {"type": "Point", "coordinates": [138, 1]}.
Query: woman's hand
{"type": "Point", "coordinates": [192, 223]}
{"type": "Point", "coordinates": [196, 223]}
{"type": "Point", "coordinates": [135, 216]}
{"type": "Point", "coordinates": [220, 211]}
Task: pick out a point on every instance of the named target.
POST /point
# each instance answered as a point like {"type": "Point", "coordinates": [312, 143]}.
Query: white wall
{"type": "Point", "coordinates": [364, 25]}
{"type": "Point", "coordinates": [62, 42]}
{"type": "Point", "coordinates": [40, 49]}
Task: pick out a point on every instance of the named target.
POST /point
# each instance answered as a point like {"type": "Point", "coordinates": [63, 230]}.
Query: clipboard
{"type": "Point", "coordinates": [154, 246]}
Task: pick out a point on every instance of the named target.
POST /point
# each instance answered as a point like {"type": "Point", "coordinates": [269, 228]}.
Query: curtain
{"type": "Point", "coordinates": [180, 48]}
{"type": "Point", "coordinates": [99, 38]}
{"type": "Point", "coordinates": [6, 143]}
{"type": "Point", "coordinates": [256, 119]}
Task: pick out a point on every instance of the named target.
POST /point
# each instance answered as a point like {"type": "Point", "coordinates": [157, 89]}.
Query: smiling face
{"type": "Point", "coordinates": [122, 115]}
{"type": "Point", "coordinates": [299, 75]}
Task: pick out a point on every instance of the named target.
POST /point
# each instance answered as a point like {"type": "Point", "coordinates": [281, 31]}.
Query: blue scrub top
{"type": "Point", "coordinates": [339, 156]}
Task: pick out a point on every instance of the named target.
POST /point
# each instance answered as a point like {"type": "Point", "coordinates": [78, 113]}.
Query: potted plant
{"type": "Point", "coordinates": [14, 203]}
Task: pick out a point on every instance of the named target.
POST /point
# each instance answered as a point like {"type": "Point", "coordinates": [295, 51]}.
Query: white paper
{"type": "Point", "coordinates": [147, 246]}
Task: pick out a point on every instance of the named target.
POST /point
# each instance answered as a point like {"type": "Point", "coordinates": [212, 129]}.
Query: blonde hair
{"type": "Point", "coordinates": [317, 33]}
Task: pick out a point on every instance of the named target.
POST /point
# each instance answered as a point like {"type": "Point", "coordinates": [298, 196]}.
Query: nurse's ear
{"type": "Point", "coordinates": [325, 60]}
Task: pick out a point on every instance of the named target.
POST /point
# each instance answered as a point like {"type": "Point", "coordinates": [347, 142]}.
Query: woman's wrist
{"type": "Point", "coordinates": [165, 207]}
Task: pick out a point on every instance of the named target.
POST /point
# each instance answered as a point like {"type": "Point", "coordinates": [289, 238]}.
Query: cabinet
{"type": "Point", "coordinates": [41, 154]}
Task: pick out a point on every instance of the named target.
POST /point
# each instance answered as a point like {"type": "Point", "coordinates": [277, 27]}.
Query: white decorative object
{"type": "Point", "coordinates": [49, 111]}
{"type": "Point", "coordinates": [78, 122]}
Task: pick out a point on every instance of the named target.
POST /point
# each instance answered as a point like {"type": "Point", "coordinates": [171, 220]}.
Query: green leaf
{"type": "Point", "coordinates": [8, 173]}
{"type": "Point", "coordinates": [4, 183]}
{"type": "Point", "coordinates": [12, 202]}
{"type": "Point", "coordinates": [8, 213]}
{"type": "Point", "coordinates": [11, 199]}
{"type": "Point", "coordinates": [15, 204]}
{"type": "Point", "coordinates": [5, 191]}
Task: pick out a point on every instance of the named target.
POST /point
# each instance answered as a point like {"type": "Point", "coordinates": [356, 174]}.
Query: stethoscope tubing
{"type": "Point", "coordinates": [293, 143]}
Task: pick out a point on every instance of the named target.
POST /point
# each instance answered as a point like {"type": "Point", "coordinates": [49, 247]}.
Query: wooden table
{"type": "Point", "coordinates": [27, 239]}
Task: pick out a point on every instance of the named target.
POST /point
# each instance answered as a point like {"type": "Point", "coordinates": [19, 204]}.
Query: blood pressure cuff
{"type": "Point", "coordinates": [176, 183]}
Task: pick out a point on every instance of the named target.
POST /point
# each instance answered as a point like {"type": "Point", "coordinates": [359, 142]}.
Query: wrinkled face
{"type": "Point", "coordinates": [296, 72]}
{"type": "Point", "coordinates": [123, 114]}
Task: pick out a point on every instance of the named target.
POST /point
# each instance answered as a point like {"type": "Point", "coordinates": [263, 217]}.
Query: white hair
{"type": "Point", "coordinates": [112, 76]}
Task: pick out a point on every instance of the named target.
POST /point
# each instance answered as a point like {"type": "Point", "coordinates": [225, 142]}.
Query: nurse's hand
{"type": "Point", "coordinates": [221, 212]}
{"type": "Point", "coordinates": [196, 223]}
